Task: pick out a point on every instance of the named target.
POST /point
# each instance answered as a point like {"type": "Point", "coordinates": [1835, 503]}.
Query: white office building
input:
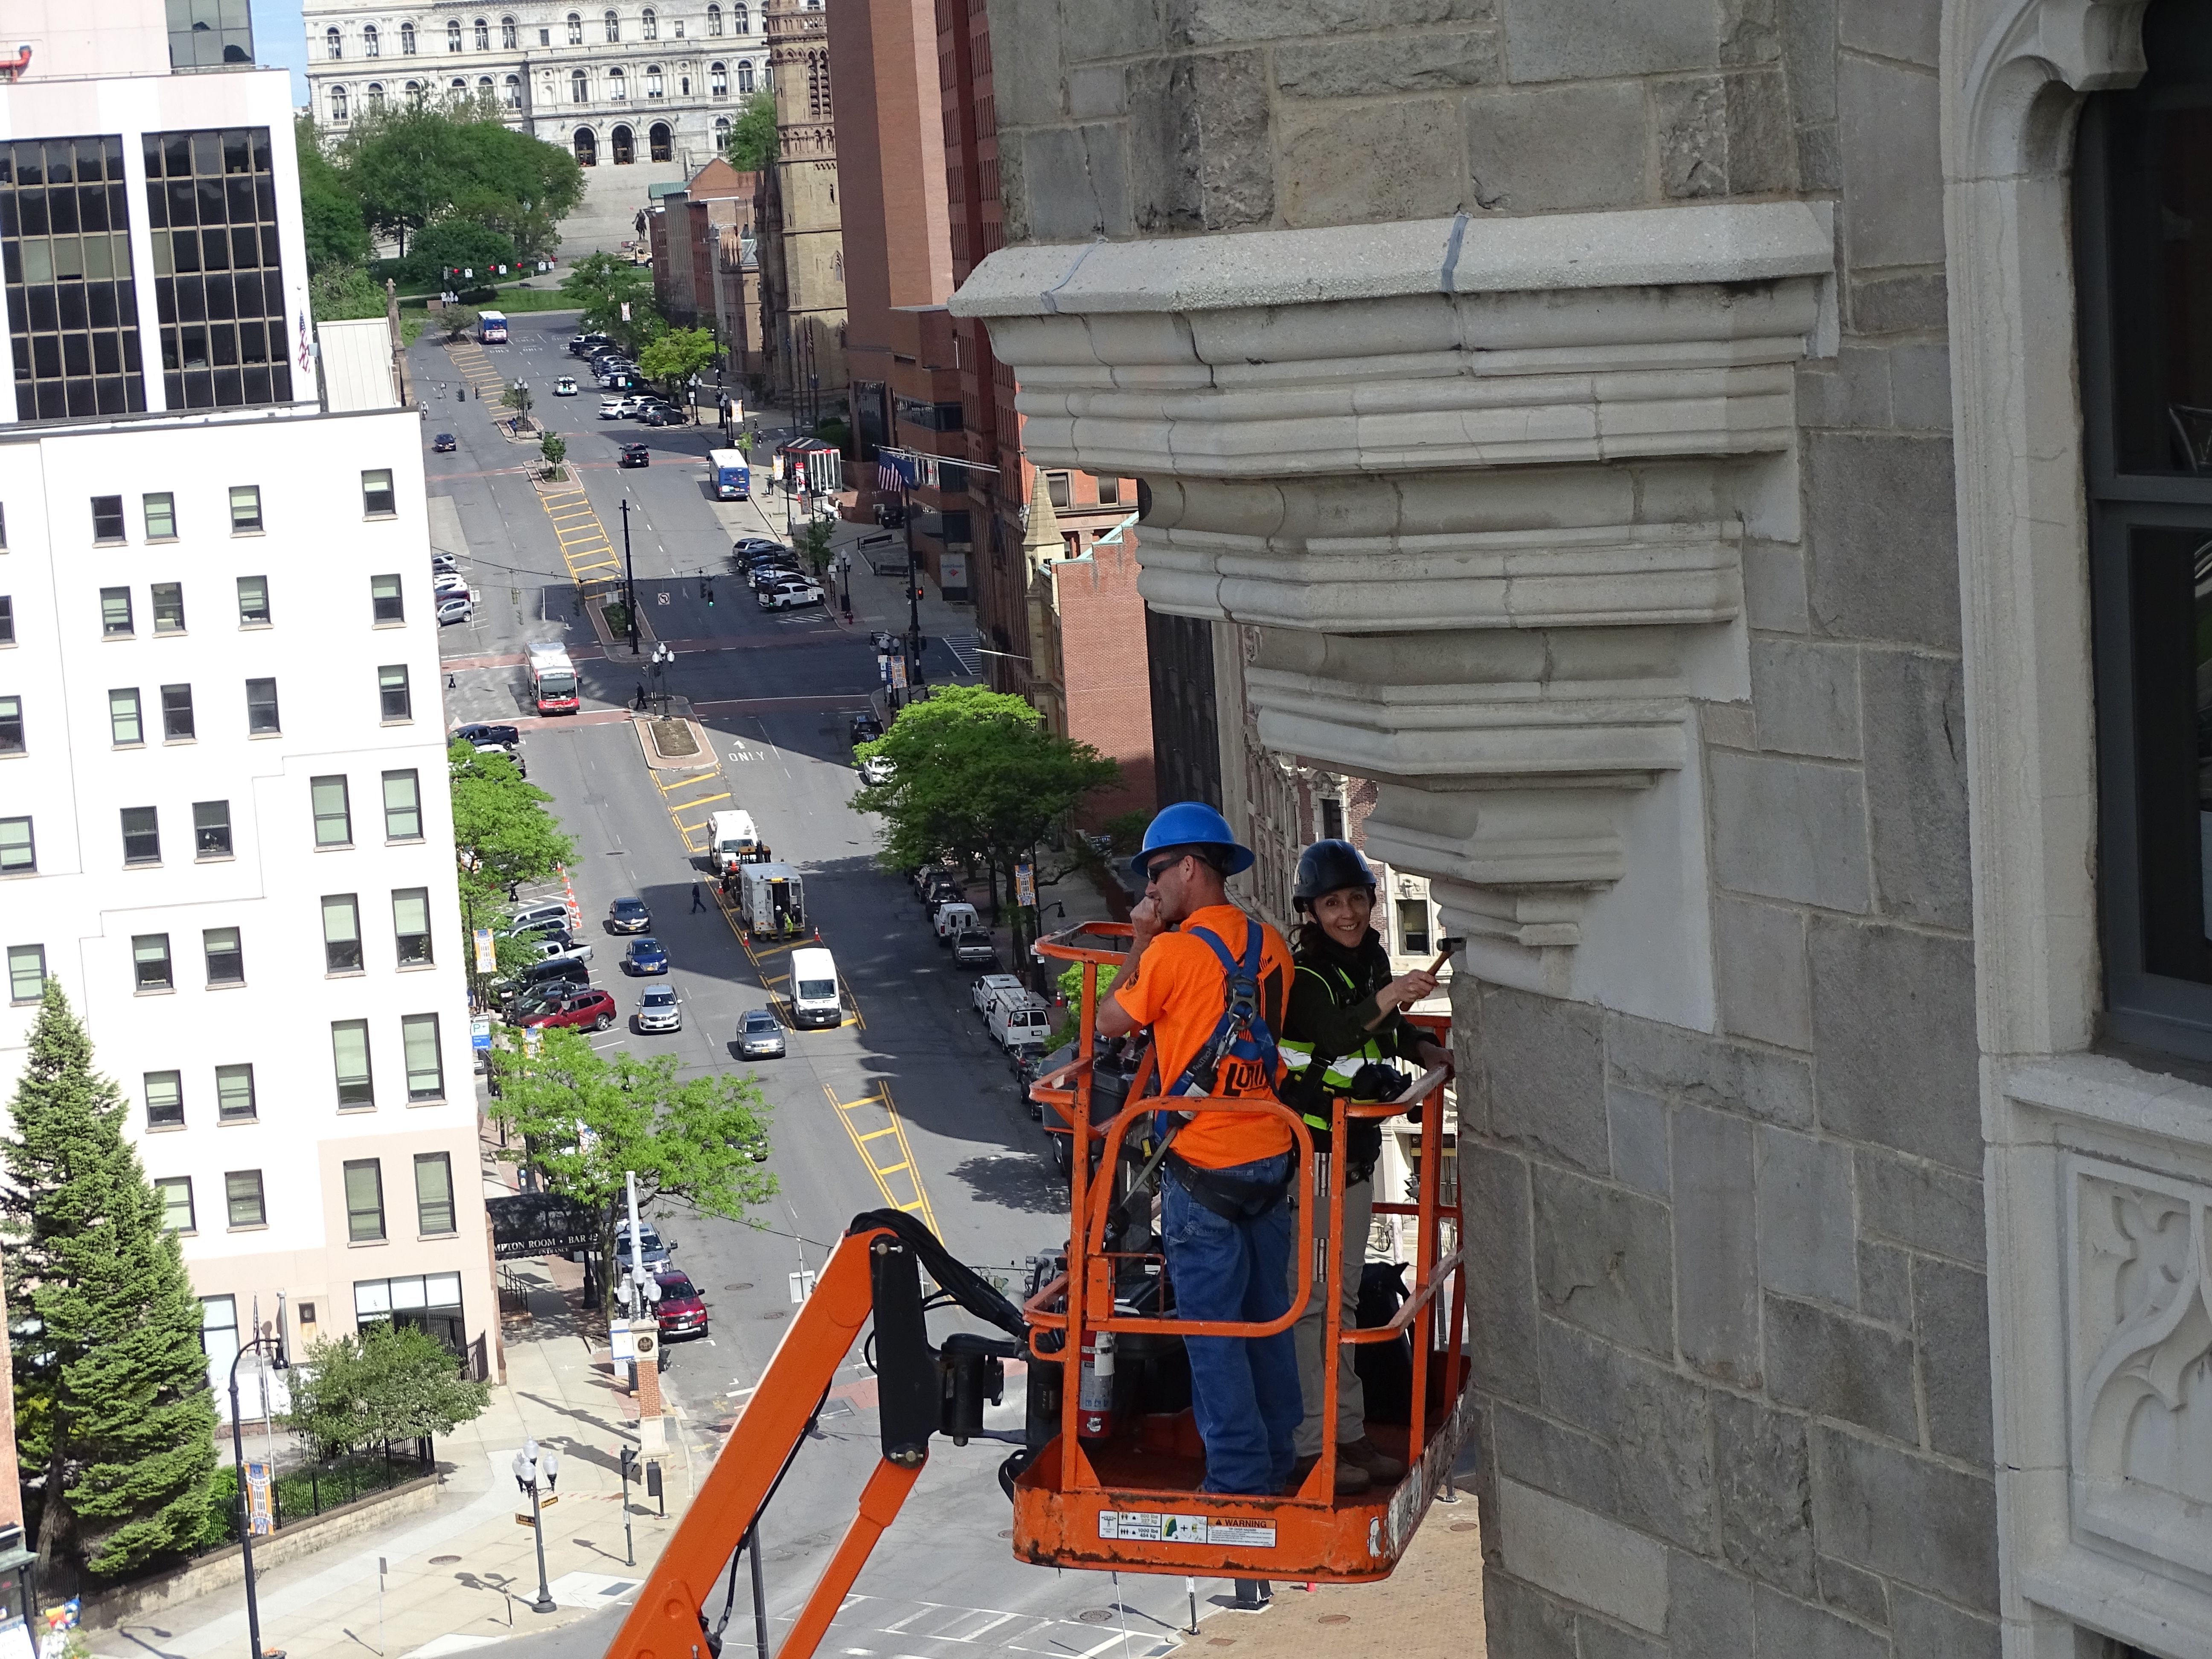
{"type": "Point", "coordinates": [223, 822]}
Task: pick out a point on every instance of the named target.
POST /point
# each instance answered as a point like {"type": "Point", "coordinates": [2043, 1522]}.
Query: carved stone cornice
{"type": "Point", "coordinates": [1477, 483]}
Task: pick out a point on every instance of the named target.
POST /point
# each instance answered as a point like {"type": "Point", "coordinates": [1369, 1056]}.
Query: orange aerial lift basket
{"type": "Point", "coordinates": [1109, 1464]}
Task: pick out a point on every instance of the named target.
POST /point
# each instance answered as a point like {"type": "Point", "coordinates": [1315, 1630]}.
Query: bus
{"type": "Point", "coordinates": [552, 678]}
{"type": "Point", "coordinates": [734, 479]}
{"type": "Point", "coordinates": [491, 328]}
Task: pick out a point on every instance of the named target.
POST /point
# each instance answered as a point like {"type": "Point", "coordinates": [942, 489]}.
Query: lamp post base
{"type": "Point", "coordinates": [545, 1604]}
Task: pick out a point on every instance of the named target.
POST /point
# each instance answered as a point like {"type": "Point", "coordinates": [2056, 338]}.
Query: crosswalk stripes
{"type": "Point", "coordinates": [474, 364]}
{"type": "Point", "coordinates": [937, 1629]}
{"type": "Point", "coordinates": [880, 1136]}
{"type": "Point", "coordinates": [968, 649]}
{"type": "Point", "coordinates": [585, 547]}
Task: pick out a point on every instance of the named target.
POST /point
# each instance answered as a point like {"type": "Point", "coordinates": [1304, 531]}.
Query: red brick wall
{"type": "Point", "coordinates": [1108, 675]}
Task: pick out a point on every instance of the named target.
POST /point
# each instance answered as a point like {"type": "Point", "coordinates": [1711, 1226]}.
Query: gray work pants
{"type": "Point", "coordinates": [1352, 1257]}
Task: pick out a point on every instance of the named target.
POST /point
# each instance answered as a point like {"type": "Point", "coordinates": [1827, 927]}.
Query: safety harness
{"type": "Point", "coordinates": [1241, 1037]}
{"type": "Point", "coordinates": [1362, 1074]}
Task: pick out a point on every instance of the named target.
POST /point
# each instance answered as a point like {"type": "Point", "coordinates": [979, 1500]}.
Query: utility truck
{"type": "Point", "coordinates": [771, 901]}
{"type": "Point", "coordinates": [732, 840]}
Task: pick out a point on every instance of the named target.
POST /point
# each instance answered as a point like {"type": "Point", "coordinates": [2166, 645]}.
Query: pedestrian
{"type": "Point", "coordinates": [1213, 994]}
{"type": "Point", "coordinates": [640, 703]}
{"type": "Point", "coordinates": [1345, 1023]}
{"type": "Point", "coordinates": [697, 903]}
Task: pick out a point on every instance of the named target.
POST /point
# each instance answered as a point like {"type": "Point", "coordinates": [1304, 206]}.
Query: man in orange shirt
{"type": "Point", "coordinates": [1225, 1224]}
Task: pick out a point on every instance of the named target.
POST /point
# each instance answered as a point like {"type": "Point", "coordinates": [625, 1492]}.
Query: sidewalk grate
{"type": "Point", "coordinates": [967, 648]}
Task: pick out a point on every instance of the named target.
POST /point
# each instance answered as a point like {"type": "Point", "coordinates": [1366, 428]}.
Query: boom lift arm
{"type": "Point", "coordinates": [876, 1268]}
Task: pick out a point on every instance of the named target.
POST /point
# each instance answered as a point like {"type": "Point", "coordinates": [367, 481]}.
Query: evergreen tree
{"type": "Point", "coordinates": [126, 1416]}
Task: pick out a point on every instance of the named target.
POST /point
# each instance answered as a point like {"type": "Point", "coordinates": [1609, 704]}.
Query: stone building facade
{"type": "Point", "coordinates": [1672, 451]}
{"type": "Point", "coordinates": [802, 260]}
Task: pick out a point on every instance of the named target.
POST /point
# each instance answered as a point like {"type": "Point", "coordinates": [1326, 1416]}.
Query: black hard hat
{"type": "Point", "coordinates": [1326, 866]}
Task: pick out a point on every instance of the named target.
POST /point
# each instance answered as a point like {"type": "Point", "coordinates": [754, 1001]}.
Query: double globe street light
{"type": "Point", "coordinates": [530, 1463]}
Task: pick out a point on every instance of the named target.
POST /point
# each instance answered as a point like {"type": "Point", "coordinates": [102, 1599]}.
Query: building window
{"type": "Point", "coordinates": [261, 708]}
{"type": "Point", "coordinates": [107, 518]}
{"type": "Point", "coordinates": [27, 964]}
{"type": "Point", "coordinates": [371, 45]}
{"type": "Point", "coordinates": [1109, 492]}
{"type": "Point", "coordinates": [253, 603]}
{"type": "Point", "coordinates": [1331, 818]}
{"type": "Point", "coordinates": [483, 34]}
{"type": "Point", "coordinates": [426, 1072]}
{"type": "Point", "coordinates": [1055, 485]}
{"type": "Point", "coordinates": [19, 850]}
{"type": "Point", "coordinates": [11, 725]}
{"type": "Point", "coordinates": [150, 962]}
{"type": "Point", "coordinates": [7, 620]}
{"type": "Point", "coordinates": [161, 516]}
{"type": "Point", "coordinates": [721, 133]}
{"type": "Point", "coordinates": [713, 20]}
{"type": "Point", "coordinates": [241, 1191]}
{"type": "Point", "coordinates": [434, 1194]}
{"type": "Point", "coordinates": [245, 508]}
{"type": "Point", "coordinates": [660, 142]}
{"type": "Point", "coordinates": [176, 714]}
{"type": "Point", "coordinates": [411, 924]}
{"type": "Point", "coordinates": [1414, 927]}
{"type": "Point", "coordinates": [648, 25]}
{"type": "Point", "coordinates": [349, 1059]}
{"type": "Point", "coordinates": [175, 1193]}
{"type": "Point", "coordinates": [740, 19]}
{"type": "Point", "coordinates": [115, 612]}
{"type": "Point", "coordinates": [508, 38]}
{"type": "Point", "coordinates": [211, 828]}
{"type": "Point", "coordinates": [515, 91]}
{"type": "Point", "coordinates": [406, 39]}
{"type": "Point", "coordinates": [333, 44]}
{"type": "Point", "coordinates": [71, 293]}
{"type": "Point", "coordinates": [123, 727]}
{"type": "Point", "coordinates": [384, 600]}
{"type": "Point", "coordinates": [575, 28]}
{"type": "Point", "coordinates": [377, 500]}
{"type": "Point", "coordinates": [364, 1186]}
{"type": "Point", "coordinates": [403, 806]}
{"type": "Point", "coordinates": [165, 1100]}
{"type": "Point", "coordinates": [233, 1094]}
{"type": "Point", "coordinates": [141, 835]}
{"type": "Point", "coordinates": [587, 147]}
{"type": "Point", "coordinates": [341, 934]}
{"type": "Point", "coordinates": [718, 80]}
{"type": "Point", "coordinates": [460, 87]}
{"type": "Point", "coordinates": [579, 92]}
{"type": "Point", "coordinates": [226, 956]}
{"type": "Point", "coordinates": [654, 88]}
{"type": "Point", "coordinates": [429, 1302]}
{"type": "Point", "coordinates": [744, 74]}
{"type": "Point", "coordinates": [333, 813]}
{"type": "Point", "coordinates": [623, 145]}
{"type": "Point", "coordinates": [375, 97]}
{"type": "Point", "coordinates": [614, 27]}
{"type": "Point", "coordinates": [453, 35]}
{"type": "Point", "coordinates": [392, 690]}
{"type": "Point", "coordinates": [226, 333]}
{"type": "Point", "coordinates": [168, 607]}
{"type": "Point", "coordinates": [617, 92]}
{"type": "Point", "coordinates": [416, 98]}
{"type": "Point", "coordinates": [337, 104]}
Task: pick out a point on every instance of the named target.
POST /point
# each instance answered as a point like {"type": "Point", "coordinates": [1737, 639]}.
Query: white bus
{"type": "Point", "coordinates": [491, 328]}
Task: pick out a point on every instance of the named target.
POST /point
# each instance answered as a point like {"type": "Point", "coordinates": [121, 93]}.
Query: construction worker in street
{"type": "Point", "coordinates": [1210, 982]}
{"type": "Point", "coordinates": [1344, 1025]}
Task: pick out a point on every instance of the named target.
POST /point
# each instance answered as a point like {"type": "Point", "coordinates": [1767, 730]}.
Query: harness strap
{"type": "Point", "coordinates": [1226, 1196]}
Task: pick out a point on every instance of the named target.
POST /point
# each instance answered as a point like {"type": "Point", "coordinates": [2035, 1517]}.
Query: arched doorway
{"type": "Point", "coordinates": [587, 147]}
{"type": "Point", "coordinates": [624, 145]}
{"type": "Point", "coordinates": [662, 141]}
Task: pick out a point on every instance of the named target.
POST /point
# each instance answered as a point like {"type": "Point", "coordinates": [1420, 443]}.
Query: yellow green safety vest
{"type": "Point", "coordinates": [1337, 1075]}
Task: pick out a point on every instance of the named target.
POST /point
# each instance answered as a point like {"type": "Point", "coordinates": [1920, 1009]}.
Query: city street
{"type": "Point", "coordinates": [908, 1104]}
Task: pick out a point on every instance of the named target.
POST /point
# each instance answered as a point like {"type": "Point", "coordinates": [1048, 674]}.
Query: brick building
{"type": "Point", "coordinates": [705, 272]}
{"type": "Point", "coordinates": [802, 256]}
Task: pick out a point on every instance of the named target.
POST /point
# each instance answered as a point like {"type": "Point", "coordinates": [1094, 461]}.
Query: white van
{"type": "Point", "coordinates": [1019, 1022]}
{"type": "Point", "coordinates": [814, 1000]}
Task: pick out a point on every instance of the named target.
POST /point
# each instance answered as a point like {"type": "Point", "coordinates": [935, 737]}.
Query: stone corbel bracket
{"type": "Point", "coordinates": [1476, 482]}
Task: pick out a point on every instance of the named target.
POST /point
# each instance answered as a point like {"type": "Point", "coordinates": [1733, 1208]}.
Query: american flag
{"type": "Point", "coordinates": [888, 476]}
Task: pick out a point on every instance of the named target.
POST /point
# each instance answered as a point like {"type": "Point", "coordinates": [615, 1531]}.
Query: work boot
{"type": "Point", "coordinates": [1370, 1459]}
{"type": "Point", "coordinates": [1351, 1478]}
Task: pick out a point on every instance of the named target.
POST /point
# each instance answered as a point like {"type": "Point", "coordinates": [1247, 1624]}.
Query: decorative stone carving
{"type": "Point", "coordinates": [1480, 485]}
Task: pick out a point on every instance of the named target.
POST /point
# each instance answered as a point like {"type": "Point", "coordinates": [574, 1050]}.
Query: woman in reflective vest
{"type": "Point", "coordinates": [1343, 1026]}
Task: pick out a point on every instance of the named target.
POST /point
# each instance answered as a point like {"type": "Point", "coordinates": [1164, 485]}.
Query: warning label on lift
{"type": "Point", "coordinates": [1152, 1527]}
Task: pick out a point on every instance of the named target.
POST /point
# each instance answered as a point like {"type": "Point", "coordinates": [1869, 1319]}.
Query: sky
{"type": "Point", "coordinates": [280, 41]}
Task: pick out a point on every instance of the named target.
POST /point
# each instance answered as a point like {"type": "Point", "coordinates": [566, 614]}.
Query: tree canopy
{"type": "Point", "coordinates": [587, 1118]}
{"type": "Point", "coordinates": [674, 357]}
{"type": "Point", "coordinates": [384, 1382]}
{"type": "Point", "coordinates": [751, 145]}
{"type": "Point", "coordinates": [602, 284]}
{"type": "Point", "coordinates": [112, 1383]}
{"type": "Point", "coordinates": [336, 228]}
{"type": "Point", "coordinates": [503, 834]}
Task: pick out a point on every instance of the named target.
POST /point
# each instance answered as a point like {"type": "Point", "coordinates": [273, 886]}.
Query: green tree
{"type": "Point", "coordinates": [115, 1372]}
{"type": "Point", "coordinates": [336, 230]}
{"type": "Point", "coordinates": [503, 834]}
{"type": "Point", "coordinates": [602, 284]}
{"type": "Point", "coordinates": [456, 244]}
{"type": "Point", "coordinates": [411, 167]}
{"type": "Point", "coordinates": [813, 545]}
{"type": "Point", "coordinates": [554, 449]}
{"type": "Point", "coordinates": [454, 321]}
{"type": "Point", "coordinates": [384, 1382]}
{"type": "Point", "coordinates": [674, 357]}
{"type": "Point", "coordinates": [977, 775]}
{"type": "Point", "coordinates": [587, 1118]}
{"type": "Point", "coordinates": [752, 146]}
{"type": "Point", "coordinates": [517, 398]}
{"type": "Point", "coordinates": [341, 292]}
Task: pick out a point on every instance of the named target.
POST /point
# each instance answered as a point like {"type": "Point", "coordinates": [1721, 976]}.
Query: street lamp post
{"type": "Point", "coordinates": [662, 656]}
{"type": "Point", "coordinates": [529, 1463]}
{"type": "Point", "coordinates": [629, 580]}
{"type": "Point", "coordinates": [276, 1346]}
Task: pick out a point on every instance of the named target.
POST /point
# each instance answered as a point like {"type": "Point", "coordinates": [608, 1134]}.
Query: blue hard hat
{"type": "Point", "coordinates": [1192, 823]}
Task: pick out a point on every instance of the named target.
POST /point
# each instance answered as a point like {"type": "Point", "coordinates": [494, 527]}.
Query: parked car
{"type": "Point", "coordinates": [539, 910]}
{"type": "Point", "coordinates": [565, 387]}
{"type": "Point", "coordinates": [443, 443]}
{"type": "Point", "coordinates": [644, 955]}
{"type": "Point", "coordinates": [941, 890]}
{"type": "Point", "coordinates": [478, 732]}
{"type": "Point", "coordinates": [787, 595]}
{"type": "Point", "coordinates": [444, 564]}
{"type": "Point", "coordinates": [652, 1249]}
{"type": "Point", "coordinates": [658, 1010]}
{"type": "Point", "coordinates": [457, 608]}
{"type": "Point", "coordinates": [864, 727]}
{"type": "Point", "coordinates": [681, 1310]}
{"type": "Point", "coordinates": [629, 915]}
{"type": "Point", "coordinates": [988, 987]}
{"type": "Point", "coordinates": [663, 415]}
{"type": "Point", "coordinates": [610, 409]}
{"type": "Point", "coordinates": [973, 948]}
{"type": "Point", "coordinates": [760, 1034]}
{"type": "Point", "coordinates": [540, 999]}
{"type": "Point", "coordinates": [595, 1009]}
{"type": "Point", "coordinates": [636, 455]}
{"type": "Point", "coordinates": [745, 546]}
{"type": "Point", "coordinates": [538, 932]}
{"type": "Point", "coordinates": [451, 586]}
{"type": "Point", "coordinates": [767, 573]}
{"type": "Point", "coordinates": [876, 769]}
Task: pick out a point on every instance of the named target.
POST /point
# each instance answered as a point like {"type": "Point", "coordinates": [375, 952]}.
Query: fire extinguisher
{"type": "Point", "coordinates": [1094, 1400]}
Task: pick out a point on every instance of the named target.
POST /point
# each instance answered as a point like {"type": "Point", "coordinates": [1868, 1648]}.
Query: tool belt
{"type": "Point", "coordinates": [1225, 1196]}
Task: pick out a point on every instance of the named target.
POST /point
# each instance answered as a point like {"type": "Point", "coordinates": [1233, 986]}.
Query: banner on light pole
{"type": "Point", "coordinates": [1024, 884]}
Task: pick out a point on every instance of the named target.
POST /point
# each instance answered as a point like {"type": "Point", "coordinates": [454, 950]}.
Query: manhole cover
{"type": "Point", "coordinates": [1333, 1619]}
{"type": "Point", "coordinates": [744, 1284]}
{"type": "Point", "coordinates": [1466, 1525]}
{"type": "Point", "coordinates": [443, 1560]}
{"type": "Point", "coordinates": [1096, 1615]}
{"type": "Point", "coordinates": [773, 1313]}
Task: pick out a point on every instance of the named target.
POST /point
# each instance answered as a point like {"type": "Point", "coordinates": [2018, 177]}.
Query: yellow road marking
{"type": "Point", "coordinates": [899, 1182]}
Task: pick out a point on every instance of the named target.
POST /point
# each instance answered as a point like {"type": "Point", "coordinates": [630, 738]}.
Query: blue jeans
{"type": "Point", "coordinates": [1244, 1390]}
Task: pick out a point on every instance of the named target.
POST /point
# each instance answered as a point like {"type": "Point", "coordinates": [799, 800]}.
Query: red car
{"type": "Point", "coordinates": [593, 1008]}
{"type": "Point", "coordinates": [681, 1310]}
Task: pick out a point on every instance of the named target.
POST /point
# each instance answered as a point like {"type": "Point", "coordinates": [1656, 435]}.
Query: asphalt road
{"type": "Point", "coordinates": [772, 690]}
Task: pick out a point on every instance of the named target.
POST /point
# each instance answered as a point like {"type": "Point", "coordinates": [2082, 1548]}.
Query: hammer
{"type": "Point", "coordinates": [1451, 948]}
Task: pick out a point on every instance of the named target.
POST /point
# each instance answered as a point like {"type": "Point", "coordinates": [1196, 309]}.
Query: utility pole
{"type": "Point", "coordinates": [629, 580]}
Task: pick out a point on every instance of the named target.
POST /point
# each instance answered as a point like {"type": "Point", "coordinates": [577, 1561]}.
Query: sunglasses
{"type": "Point", "coordinates": [1154, 872]}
